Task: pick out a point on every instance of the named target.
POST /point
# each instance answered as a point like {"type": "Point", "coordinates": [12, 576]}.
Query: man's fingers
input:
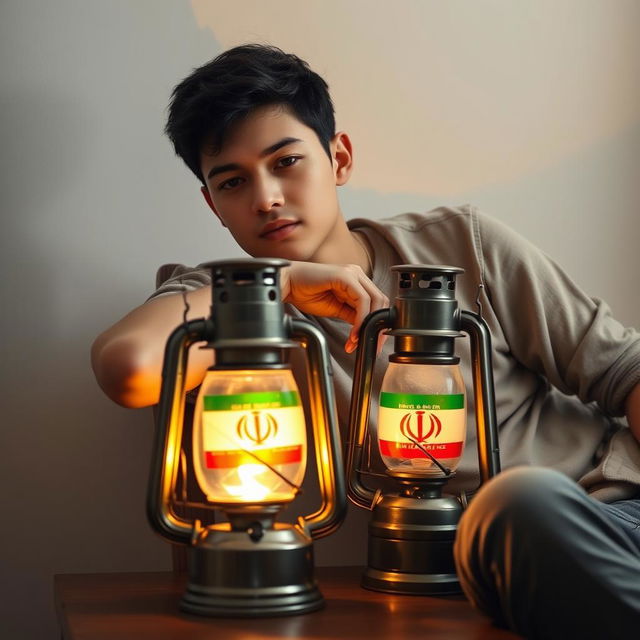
{"type": "Point", "coordinates": [368, 298]}
{"type": "Point", "coordinates": [285, 282]}
{"type": "Point", "coordinates": [382, 338]}
{"type": "Point", "coordinates": [378, 299]}
{"type": "Point", "coordinates": [343, 292]}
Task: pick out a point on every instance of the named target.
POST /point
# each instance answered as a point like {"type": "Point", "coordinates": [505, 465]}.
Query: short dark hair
{"type": "Point", "coordinates": [229, 87]}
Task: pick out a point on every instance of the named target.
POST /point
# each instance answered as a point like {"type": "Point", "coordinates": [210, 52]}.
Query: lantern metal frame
{"type": "Point", "coordinates": [250, 566]}
{"type": "Point", "coordinates": [412, 529]}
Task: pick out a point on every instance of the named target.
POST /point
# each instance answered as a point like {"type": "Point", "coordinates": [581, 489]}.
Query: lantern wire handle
{"type": "Point", "coordinates": [478, 303]}
{"type": "Point", "coordinates": [294, 486]}
{"type": "Point", "coordinates": [183, 471]}
{"type": "Point", "coordinates": [445, 470]}
{"type": "Point", "coordinates": [373, 474]}
{"type": "Point", "coordinates": [367, 445]}
{"type": "Point", "coordinates": [187, 307]}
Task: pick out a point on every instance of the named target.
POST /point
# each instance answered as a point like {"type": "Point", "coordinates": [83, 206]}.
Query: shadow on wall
{"type": "Point", "coordinates": [66, 449]}
{"type": "Point", "coordinates": [81, 128]}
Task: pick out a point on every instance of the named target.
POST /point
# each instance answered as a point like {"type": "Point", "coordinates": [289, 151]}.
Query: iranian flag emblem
{"type": "Point", "coordinates": [408, 424]}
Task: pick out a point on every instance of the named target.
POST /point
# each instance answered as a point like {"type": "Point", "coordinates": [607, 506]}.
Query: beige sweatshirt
{"type": "Point", "coordinates": [562, 364]}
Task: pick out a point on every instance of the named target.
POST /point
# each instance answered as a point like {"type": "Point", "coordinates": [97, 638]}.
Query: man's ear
{"type": "Point", "coordinates": [342, 157]}
{"type": "Point", "coordinates": [209, 201]}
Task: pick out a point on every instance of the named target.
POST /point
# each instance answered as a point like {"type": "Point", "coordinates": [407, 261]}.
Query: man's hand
{"type": "Point", "coordinates": [335, 291]}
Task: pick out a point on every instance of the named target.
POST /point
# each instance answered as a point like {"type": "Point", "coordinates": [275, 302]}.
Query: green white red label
{"type": "Point", "coordinates": [253, 428]}
{"type": "Point", "coordinates": [409, 423]}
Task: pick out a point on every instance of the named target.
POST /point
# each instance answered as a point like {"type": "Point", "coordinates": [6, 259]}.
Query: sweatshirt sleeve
{"type": "Point", "coordinates": [182, 279]}
{"type": "Point", "coordinates": [552, 326]}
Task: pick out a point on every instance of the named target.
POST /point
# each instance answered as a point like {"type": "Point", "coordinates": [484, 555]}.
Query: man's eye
{"type": "Point", "coordinates": [288, 161]}
{"type": "Point", "coordinates": [229, 184]}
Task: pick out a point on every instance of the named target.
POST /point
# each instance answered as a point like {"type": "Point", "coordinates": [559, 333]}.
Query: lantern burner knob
{"type": "Point", "coordinates": [420, 487]}
{"type": "Point", "coordinates": [252, 519]}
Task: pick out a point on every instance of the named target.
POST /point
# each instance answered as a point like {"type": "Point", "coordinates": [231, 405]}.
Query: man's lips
{"type": "Point", "coordinates": [278, 229]}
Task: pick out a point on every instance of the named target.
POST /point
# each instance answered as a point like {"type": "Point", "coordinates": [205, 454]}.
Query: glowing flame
{"type": "Point", "coordinates": [249, 489]}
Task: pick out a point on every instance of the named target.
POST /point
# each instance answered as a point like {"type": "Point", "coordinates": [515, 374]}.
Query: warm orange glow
{"type": "Point", "coordinates": [249, 488]}
{"type": "Point", "coordinates": [249, 438]}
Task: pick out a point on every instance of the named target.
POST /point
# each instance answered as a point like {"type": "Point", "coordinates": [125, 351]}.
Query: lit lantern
{"type": "Point", "coordinates": [251, 437]}
{"type": "Point", "coordinates": [249, 449]}
{"type": "Point", "coordinates": [421, 430]}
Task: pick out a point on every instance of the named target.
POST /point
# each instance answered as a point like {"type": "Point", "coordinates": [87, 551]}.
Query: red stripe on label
{"type": "Point", "coordinates": [409, 450]}
{"type": "Point", "coordinates": [230, 459]}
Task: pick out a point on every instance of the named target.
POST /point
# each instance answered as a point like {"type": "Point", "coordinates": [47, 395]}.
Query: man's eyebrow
{"type": "Point", "coordinates": [223, 168]}
{"type": "Point", "coordinates": [278, 145]}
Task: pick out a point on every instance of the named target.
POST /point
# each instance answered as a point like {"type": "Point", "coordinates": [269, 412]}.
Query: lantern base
{"type": "Point", "coordinates": [232, 574]}
{"type": "Point", "coordinates": [411, 583]}
{"type": "Point", "coordinates": [411, 543]}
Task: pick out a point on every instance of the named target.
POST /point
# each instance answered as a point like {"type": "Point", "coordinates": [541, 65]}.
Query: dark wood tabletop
{"type": "Point", "coordinates": [140, 606]}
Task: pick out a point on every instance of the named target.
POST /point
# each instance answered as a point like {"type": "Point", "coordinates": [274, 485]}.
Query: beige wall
{"type": "Point", "coordinates": [446, 97]}
{"type": "Point", "coordinates": [528, 109]}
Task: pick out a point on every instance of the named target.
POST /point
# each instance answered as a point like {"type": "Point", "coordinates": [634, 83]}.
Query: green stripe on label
{"type": "Point", "coordinates": [256, 400]}
{"type": "Point", "coordinates": [422, 401]}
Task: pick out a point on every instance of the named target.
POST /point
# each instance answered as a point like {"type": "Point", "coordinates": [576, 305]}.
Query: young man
{"type": "Point", "coordinates": [534, 552]}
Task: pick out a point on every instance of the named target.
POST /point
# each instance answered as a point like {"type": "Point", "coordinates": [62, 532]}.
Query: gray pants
{"type": "Point", "coordinates": [541, 558]}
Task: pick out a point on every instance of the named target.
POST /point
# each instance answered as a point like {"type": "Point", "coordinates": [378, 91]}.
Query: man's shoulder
{"type": "Point", "coordinates": [178, 278]}
{"type": "Point", "coordinates": [446, 224]}
{"type": "Point", "coordinates": [416, 221]}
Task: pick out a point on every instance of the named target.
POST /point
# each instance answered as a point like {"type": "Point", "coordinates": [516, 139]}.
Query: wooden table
{"type": "Point", "coordinates": [140, 606]}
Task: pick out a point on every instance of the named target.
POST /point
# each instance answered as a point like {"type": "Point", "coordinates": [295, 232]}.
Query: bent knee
{"type": "Point", "coordinates": [524, 487]}
{"type": "Point", "coordinates": [515, 507]}
{"type": "Point", "coordinates": [521, 498]}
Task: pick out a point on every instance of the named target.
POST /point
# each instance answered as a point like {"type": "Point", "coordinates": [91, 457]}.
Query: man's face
{"type": "Point", "coordinates": [274, 187]}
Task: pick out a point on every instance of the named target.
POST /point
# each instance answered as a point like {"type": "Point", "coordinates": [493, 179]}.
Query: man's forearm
{"type": "Point", "coordinates": [632, 410]}
{"type": "Point", "coordinates": [127, 358]}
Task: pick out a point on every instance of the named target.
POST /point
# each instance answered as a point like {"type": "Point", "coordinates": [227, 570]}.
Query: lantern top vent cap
{"type": "Point", "coordinates": [433, 268]}
{"type": "Point", "coordinates": [247, 263]}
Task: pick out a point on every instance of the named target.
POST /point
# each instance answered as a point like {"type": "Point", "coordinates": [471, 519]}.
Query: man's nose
{"type": "Point", "coordinates": [267, 194]}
